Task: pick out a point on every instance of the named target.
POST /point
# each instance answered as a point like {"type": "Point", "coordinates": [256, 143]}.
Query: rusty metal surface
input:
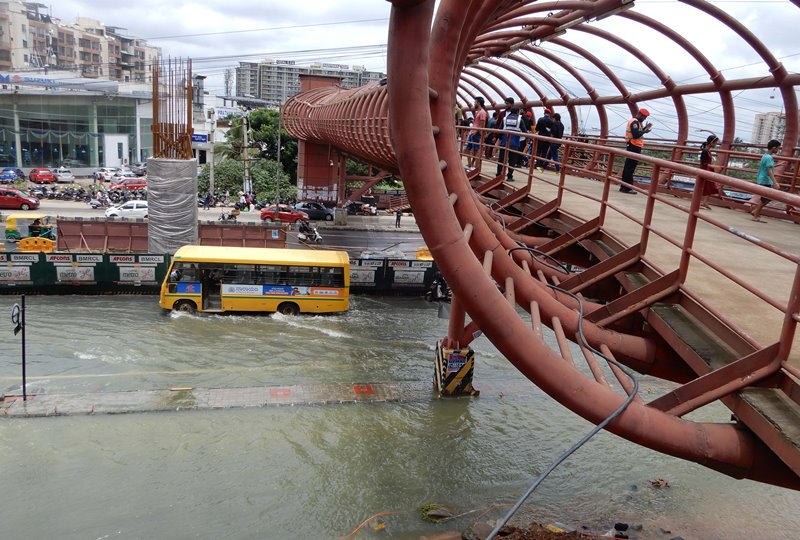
{"type": "Point", "coordinates": [172, 109]}
{"type": "Point", "coordinates": [465, 217]}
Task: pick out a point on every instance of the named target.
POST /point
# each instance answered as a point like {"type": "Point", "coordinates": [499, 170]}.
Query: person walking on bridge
{"type": "Point", "coordinates": [634, 137]}
{"type": "Point", "coordinates": [475, 135]}
{"type": "Point", "coordinates": [766, 176]}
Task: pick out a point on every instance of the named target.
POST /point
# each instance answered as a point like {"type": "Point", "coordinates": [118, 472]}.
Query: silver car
{"type": "Point", "coordinates": [63, 175]}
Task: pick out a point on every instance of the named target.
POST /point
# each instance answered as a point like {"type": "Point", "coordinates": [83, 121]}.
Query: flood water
{"type": "Point", "coordinates": [319, 471]}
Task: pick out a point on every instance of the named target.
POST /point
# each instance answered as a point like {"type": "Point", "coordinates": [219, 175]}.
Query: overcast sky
{"type": "Point", "coordinates": [217, 34]}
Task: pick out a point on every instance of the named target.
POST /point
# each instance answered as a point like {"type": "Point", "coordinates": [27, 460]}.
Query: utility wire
{"type": "Point", "coordinates": [571, 450]}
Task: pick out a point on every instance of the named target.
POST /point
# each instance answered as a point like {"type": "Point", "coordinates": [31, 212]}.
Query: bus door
{"type": "Point", "coordinates": [212, 288]}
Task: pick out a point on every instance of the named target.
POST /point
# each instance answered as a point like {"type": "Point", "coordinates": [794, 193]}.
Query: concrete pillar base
{"type": "Point", "coordinates": [454, 367]}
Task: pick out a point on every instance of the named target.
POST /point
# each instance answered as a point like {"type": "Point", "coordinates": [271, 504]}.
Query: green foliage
{"type": "Point", "coordinates": [229, 176]}
{"type": "Point", "coordinates": [263, 134]}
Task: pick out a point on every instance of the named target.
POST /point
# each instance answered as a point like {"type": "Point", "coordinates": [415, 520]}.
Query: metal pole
{"type": "Point", "coordinates": [24, 391]}
{"type": "Point", "coordinates": [211, 166]}
{"type": "Point", "coordinates": [278, 168]}
{"type": "Point", "coordinates": [245, 135]}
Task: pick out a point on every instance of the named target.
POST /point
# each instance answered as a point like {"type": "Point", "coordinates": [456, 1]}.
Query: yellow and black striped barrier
{"type": "Point", "coordinates": [454, 369]}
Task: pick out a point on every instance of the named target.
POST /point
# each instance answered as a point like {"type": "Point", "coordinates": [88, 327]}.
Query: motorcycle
{"type": "Point", "coordinates": [309, 234]}
{"type": "Point", "coordinates": [229, 217]}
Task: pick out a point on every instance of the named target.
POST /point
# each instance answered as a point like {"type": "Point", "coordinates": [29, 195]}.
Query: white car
{"type": "Point", "coordinates": [64, 175]}
{"type": "Point", "coordinates": [105, 174]}
{"type": "Point", "coordinates": [130, 209]}
{"type": "Point", "coordinates": [121, 175]}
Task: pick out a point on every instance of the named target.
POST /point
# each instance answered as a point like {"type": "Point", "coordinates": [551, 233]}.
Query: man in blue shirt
{"type": "Point", "coordinates": [766, 176]}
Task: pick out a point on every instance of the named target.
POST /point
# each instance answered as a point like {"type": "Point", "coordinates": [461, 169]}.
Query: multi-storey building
{"type": "Point", "coordinates": [31, 39]}
{"type": "Point", "coordinates": [276, 80]}
{"type": "Point", "coordinates": [766, 126]}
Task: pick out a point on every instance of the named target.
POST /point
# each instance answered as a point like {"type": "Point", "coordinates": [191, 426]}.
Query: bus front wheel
{"type": "Point", "coordinates": [186, 306]}
{"type": "Point", "coordinates": [288, 308]}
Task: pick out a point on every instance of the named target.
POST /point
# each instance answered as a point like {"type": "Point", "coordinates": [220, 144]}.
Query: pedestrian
{"type": "Point", "coordinates": [557, 133]}
{"type": "Point", "coordinates": [544, 128]}
{"type": "Point", "coordinates": [766, 177]}
{"type": "Point", "coordinates": [397, 215]}
{"type": "Point", "coordinates": [475, 135]}
{"type": "Point", "coordinates": [207, 200]}
{"type": "Point", "coordinates": [707, 164]}
{"type": "Point", "coordinates": [513, 128]}
{"type": "Point", "coordinates": [491, 138]}
{"type": "Point", "coordinates": [501, 118]}
{"type": "Point", "coordinates": [634, 137]}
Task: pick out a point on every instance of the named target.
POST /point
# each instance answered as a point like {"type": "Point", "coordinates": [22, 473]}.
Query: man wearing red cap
{"type": "Point", "coordinates": [634, 136]}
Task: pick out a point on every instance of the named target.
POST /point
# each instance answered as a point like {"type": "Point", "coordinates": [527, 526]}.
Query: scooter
{"type": "Point", "coordinates": [309, 235]}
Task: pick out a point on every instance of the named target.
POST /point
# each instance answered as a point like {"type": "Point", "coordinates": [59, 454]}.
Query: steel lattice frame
{"type": "Point", "coordinates": [407, 127]}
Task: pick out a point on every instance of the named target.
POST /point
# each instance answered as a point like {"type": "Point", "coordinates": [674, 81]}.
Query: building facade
{"type": "Point", "coordinates": [276, 80]}
{"type": "Point", "coordinates": [32, 39]}
{"type": "Point", "coordinates": [766, 126]}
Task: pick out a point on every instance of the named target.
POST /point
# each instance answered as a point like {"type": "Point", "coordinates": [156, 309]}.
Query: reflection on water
{"type": "Point", "coordinates": [318, 471]}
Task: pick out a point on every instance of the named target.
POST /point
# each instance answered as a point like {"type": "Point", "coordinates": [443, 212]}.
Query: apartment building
{"type": "Point", "coordinates": [32, 39]}
{"type": "Point", "coordinates": [276, 80]}
{"type": "Point", "coordinates": [766, 126]}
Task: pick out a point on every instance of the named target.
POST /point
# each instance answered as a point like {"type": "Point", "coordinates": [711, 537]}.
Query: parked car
{"type": "Point", "coordinates": [130, 209]}
{"type": "Point", "coordinates": [315, 210]}
{"type": "Point", "coordinates": [14, 198]}
{"type": "Point", "coordinates": [139, 169]}
{"type": "Point", "coordinates": [285, 214]}
{"type": "Point", "coordinates": [129, 183]}
{"type": "Point", "coordinates": [122, 174]}
{"type": "Point", "coordinates": [104, 174]}
{"type": "Point", "coordinates": [7, 177]}
{"type": "Point", "coordinates": [17, 171]}
{"type": "Point", "coordinates": [42, 176]}
{"type": "Point", "coordinates": [361, 208]}
{"type": "Point", "coordinates": [64, 175]}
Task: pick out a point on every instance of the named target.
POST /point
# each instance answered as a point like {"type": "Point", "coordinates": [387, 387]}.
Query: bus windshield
{"type": "Point", "coordinates": [216, 279]}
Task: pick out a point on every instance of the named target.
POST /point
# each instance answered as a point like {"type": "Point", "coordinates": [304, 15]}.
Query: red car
{"type": "Point", "coordinates": [129, 183]}
{"type": "Point", "coordinates": [14, 198]}
{"type": "Point", "coordinates": [42, 176]}
{"type": "Point", "coordinates": [286, 214]}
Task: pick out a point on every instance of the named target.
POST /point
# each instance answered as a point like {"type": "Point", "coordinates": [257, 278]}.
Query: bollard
{"type": "Point", "coordinates": [18, 320]}
{"type": "Point", "coordinates": [454, 369]}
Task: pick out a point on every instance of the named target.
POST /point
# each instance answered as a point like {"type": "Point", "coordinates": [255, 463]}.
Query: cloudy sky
{"type": "Point", "coordinates": [217, 34]}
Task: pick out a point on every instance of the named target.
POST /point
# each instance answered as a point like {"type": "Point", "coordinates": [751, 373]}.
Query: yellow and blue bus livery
{"type": "Point", "coordinates": [290, 281]}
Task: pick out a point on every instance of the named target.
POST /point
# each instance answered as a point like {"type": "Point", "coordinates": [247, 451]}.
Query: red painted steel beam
{"type": "Point", "coordinates": [416, 135]}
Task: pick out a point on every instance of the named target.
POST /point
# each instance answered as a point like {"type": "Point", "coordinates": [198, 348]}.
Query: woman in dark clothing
{"type": "Point", "coordinates": [707, 164]}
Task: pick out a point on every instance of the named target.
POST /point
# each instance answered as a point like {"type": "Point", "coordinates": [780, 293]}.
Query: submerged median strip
{"type": "Point", "coordinates": [187, 398]}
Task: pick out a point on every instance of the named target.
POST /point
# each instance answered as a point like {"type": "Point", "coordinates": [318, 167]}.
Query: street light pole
{"type": "Point", "coordinates": [211, 140]}
{"type": "Point", "coordinates": [278, 165]}
{"type": "Point", "coordinates": [245, 134]}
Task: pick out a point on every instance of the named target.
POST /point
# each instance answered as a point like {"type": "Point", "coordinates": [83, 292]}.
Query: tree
{"type": "Point", "coordinates": [229, 175]}
{"type": "Point", "coordinates": [263, 140]}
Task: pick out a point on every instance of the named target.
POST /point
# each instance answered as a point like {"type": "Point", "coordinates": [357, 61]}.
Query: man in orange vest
{"type": "Point", "coordinates": [634, 135]}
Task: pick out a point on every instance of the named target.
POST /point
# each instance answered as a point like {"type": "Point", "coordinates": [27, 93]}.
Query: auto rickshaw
{"type": "Point", "coordinates": [29, 225]}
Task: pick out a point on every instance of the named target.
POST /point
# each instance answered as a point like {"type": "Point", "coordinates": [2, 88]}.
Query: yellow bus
{"type": "Point", "coordinates": [290, 281]}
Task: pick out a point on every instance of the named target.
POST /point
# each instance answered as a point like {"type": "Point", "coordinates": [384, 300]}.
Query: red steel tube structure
{"type": "Point", "coordinates": [406, 126]}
